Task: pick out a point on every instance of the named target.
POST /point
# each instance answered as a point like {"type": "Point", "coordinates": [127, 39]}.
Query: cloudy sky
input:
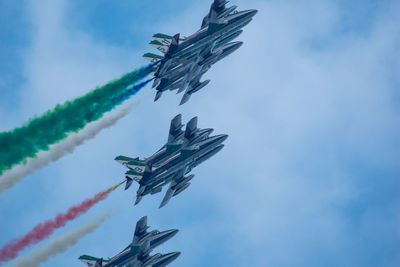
{"type": "Point", "coordinates": [310, 173]}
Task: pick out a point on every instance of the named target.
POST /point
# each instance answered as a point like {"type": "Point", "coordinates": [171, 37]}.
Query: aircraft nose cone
{"type": "Point", "coordinates": [236, 45]}
{"type": "Point", "coordinates": [170, 233]}
{"type": "Point", "coordinates": [222, 137]}
{"type": "Point", "coordinates": [252, 12]}
{"type": "Point", "coordinates": [172, 256]}
{"type": "Point", "coordinates": [167, 258]}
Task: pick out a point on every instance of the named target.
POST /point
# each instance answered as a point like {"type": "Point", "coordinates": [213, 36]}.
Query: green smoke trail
{"type": "Point", "coordinates": [54, 125]}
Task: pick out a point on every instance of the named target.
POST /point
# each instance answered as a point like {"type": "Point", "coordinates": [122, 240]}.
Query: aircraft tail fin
{"type": "Point", "coordinates": [175, 128]}
{"type": "Point", "coordinates": [191, 128]}
{"type": "Point", "coordinates": [140, 229]}
{"type": "Point", "coordinates": [174, 44]}
{"type": "Point", "coordinates": [91, 261]}
{"type": "Point", "coordinates": [175, 39]}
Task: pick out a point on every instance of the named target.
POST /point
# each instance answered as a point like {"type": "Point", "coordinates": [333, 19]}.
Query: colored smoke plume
{"type": "Point", "coordinates": [39, 133]}
{"type": "Point", "coordinates": [56, 151]}
{"type": "Point", "coordinates": [44, 230]}
{"type": "Point", "coordinates": [128, 93]}
{"type": "Point", "coordinates": [59, 244]}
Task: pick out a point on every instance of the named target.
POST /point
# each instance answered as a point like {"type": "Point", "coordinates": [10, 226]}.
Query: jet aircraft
{"type": "Point", "coordinates": [186, 60]}
{"type": "Point", "coordinates": [183, 151]}
{"type": "Point", "coordinates": [137, 254]}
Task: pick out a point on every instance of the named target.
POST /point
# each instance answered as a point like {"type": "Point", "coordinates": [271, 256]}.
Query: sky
{"type": "Point", "coordinates": [309, 175]}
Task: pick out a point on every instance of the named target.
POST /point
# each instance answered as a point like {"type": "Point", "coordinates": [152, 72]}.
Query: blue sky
{"type": "Point", "coordinates": [310, 173]}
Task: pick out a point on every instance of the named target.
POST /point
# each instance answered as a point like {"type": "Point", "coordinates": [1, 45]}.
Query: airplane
{"type": "Point", "coordinates": [137, 253]}
{"type": "Point", "coordinates": [183, 151]}
{"type": "Point", "coordinates": [189, 78]}
{"type": "Point", "coordinates": [183, 56]}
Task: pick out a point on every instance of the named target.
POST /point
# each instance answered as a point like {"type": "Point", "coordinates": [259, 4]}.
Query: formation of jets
{"type": "Point", "coordinates": [137, 253]}
{"type": "Point", "coordinates": [181, 67]}
{"type": "Point", "coordinates": [183, 151]}
{"type": "Point", "coordinates": [186, 60]}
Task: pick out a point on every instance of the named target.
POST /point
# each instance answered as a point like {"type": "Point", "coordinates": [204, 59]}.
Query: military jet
{"type": "Point", "coordinates": [188, 78]}
{"type": "Point", "coordinates": [183, 151]}
{"type": "Point", "coordinates": [186, 60]}
{"type": "Point", "coordinates": [137, 254]}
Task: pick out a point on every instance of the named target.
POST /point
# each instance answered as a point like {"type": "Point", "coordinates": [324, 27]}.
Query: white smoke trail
{"type": "Point", "coordinates": [56, 151]}
{"type": "Point", "coordinates": [57, 245]}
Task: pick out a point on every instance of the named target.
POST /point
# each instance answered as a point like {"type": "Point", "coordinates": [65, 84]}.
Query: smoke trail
{"type": "Point", "coordinates": [68, 145]}
{"type": "Point", "coordinates": [44, 230]}
{"type": "Point", "coordinates": [53, 126]}
{"type": "Point", "coordinates": [128, 93]}
{"type": "Point", "coordinates": [59, 244]}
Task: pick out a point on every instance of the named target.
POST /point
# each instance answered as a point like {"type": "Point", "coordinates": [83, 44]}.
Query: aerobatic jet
{"type": "Point", "coordinates": [137, 253]}
{"type": "Point", "coordinates": [183, 151]}
{"type": "Point", "coordinates": [186, 60]}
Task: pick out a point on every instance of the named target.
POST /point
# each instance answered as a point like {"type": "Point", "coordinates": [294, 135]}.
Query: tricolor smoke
{"type": "Point", "coordinates": [58, 245]}
{"type": "Point", "coordinates": [39, 133]}
{"type": "Point", "coordinates": [44, 230]}
{"type": "Point", "coordinates": [56, 151]}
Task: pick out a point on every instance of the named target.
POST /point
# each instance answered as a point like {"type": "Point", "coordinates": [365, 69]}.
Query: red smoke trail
{"type": "Point", "coordinates": [43, 230]}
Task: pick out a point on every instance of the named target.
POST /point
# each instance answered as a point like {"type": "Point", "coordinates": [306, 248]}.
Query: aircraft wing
{"type": "Point", "coordinates": [218, 11]}
{"type": "Point", "coordinates": [176, 186]}
{"type": "Point", "coordinates": [167, 196]}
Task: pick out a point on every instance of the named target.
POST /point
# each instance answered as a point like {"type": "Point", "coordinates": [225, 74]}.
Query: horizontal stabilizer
{"type": "Point", "coordinates": [136, 165]}
{"type": "Point", "coordinates": [92, 261]}
{"type": "Point", "coordinates": [153, 58]}
{"type": "Point", "coordinates": [123, 160]}
{"type": "Point", "coordinates": [159, 46]}
{"type": "Point", "coordinates": [164, 38]}
{"type": "Point", "coordinates": [134, 175]}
